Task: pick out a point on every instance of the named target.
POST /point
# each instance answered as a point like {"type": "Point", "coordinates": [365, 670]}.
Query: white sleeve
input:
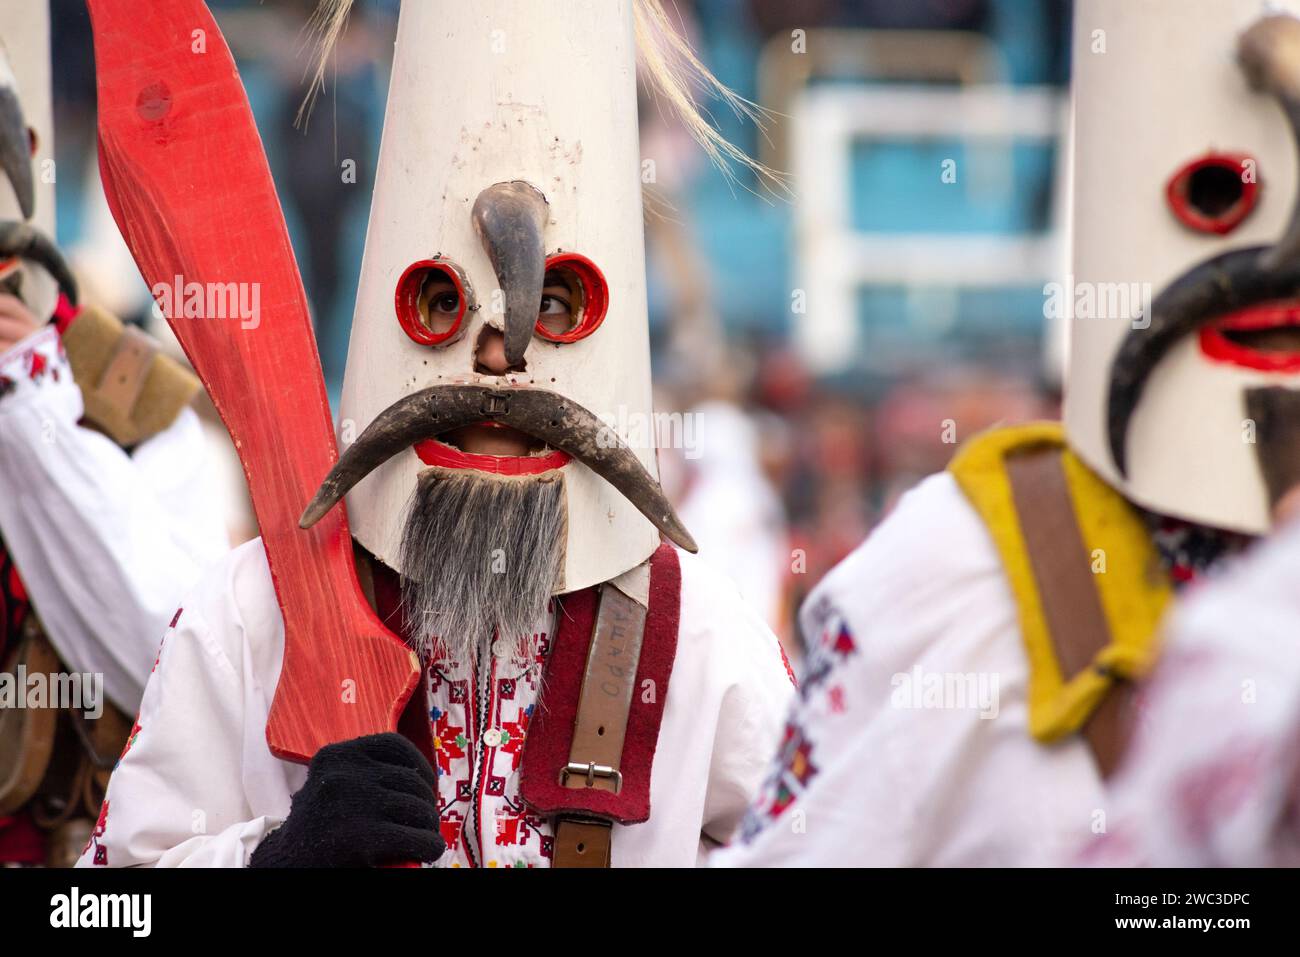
{"type": "Point", "coordinates": [869, 771]}
{"type": "Point", "coordinates": [105, 542]}
{"type": "Point", "coordinates": [831, 795]}
{"type": "Point", "coordinates": [748, 723]}
{"type": "Point", "coordinates": [1213, 776]}
{"type": "Point", "coordinates": [807, 810]}
{"type": "Point", "coordinates": [197, 785]}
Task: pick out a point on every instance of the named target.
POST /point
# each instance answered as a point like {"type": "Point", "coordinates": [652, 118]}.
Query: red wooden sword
{"type": "Point", "coordinates": [188, 184]}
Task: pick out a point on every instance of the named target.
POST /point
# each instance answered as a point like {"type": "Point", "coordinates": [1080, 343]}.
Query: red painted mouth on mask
{"type": "Point", "coordinates": [1264, 337]}
{"type": "Point", "coordinates": [446, 455]}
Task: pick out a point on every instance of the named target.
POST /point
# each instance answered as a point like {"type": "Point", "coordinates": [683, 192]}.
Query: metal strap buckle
{"type": "Point", "coordinates": [591, 771]}
{"type": "Point", "coordinates": [495, 403]}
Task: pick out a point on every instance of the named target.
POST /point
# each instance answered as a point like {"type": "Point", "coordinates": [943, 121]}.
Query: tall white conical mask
{"type": "Point", "coordinates": [1186, 291]}
{"type": "Point", "coordinates": [509, 152]}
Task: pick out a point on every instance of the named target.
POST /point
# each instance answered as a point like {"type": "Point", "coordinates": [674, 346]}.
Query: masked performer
{"type": "Point", "coordinates": [973, 681]}
{"type": "Point", "coordinates": [104, 520]}
{"type": "Point", "coordinates": [500, 479]}
{"type": "Point", "coordinates": [1212, 778]}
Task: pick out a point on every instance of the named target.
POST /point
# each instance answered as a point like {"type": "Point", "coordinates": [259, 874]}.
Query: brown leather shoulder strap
{"type": "Point", "coordinates": [1067, 590]}
{"type": "Point", "coordinates": [600, 726]}
{"type": "Point", "coordinates": [581, 842]}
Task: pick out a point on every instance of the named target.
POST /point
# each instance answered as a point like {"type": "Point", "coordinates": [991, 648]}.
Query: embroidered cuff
{"type": "Point", "coordinates": [37, 369]}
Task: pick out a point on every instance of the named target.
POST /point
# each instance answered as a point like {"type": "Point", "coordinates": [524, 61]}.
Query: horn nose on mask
{"type": "Point", "coordinates": [509, 219]}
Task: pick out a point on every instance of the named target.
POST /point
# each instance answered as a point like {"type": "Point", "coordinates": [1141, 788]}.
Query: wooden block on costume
{"type": "Point", "coordinates": [26, 734]}
{"type": "Point", "coordinates": [131, 390]}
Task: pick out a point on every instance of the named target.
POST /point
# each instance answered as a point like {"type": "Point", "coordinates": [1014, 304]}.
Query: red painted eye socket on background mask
{"type": "Point", "coordinates": [587, 283]}
{"type": "Point", "coordinates": [1215, 193]}
{"type": "Point", "coordinates": [418, 313]}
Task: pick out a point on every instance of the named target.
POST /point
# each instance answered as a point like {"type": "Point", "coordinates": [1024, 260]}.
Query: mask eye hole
{"type": "Point", "coordinates": [574, 300]}
{"type": "Point", "coordinates": [1215, 193]}
{"type": "Point", "coordinates": [431, 300]}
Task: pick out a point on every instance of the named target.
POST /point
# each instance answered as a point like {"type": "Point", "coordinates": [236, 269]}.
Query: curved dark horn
{"type": "Point", "coordinates": [560, 422]}
{"type": "Point", "coordinates": [1216, 287]}
{"type": "Point", "coordinates": [509, 218]}
{"type": "Point", "coordinates": [1269, 54]}
{"type": "Point", "coordinates": [28, 242]}
{"type": "Point", "coordinates": [16, 151]}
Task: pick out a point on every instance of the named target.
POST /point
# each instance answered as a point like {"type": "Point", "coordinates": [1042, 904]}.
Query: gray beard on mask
{"type": "Point", "coordinates": [481, 555]}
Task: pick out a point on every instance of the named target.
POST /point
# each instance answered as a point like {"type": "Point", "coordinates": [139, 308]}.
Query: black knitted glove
{"type": "Point", "coordinates": [367, 802]}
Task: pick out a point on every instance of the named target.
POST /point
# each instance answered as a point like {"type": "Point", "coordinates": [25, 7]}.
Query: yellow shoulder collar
{"type": "Point", "coordinates": [1133, 588]}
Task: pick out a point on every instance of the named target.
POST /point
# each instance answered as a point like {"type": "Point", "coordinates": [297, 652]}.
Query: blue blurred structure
{"type": "Point", "coordinates": [894, 184]}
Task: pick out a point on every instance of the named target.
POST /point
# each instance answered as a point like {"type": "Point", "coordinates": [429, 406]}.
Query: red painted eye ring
{"type": "Point", "coordinates": [406, 301]}
{"type": "Point", "coordinates": [1178, 188]}
{"type": "Point", "coordinates": [595, 297]}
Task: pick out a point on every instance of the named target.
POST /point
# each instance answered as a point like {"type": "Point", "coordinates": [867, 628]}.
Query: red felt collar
{"type": "Point", "coordinates": [546, 750]}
